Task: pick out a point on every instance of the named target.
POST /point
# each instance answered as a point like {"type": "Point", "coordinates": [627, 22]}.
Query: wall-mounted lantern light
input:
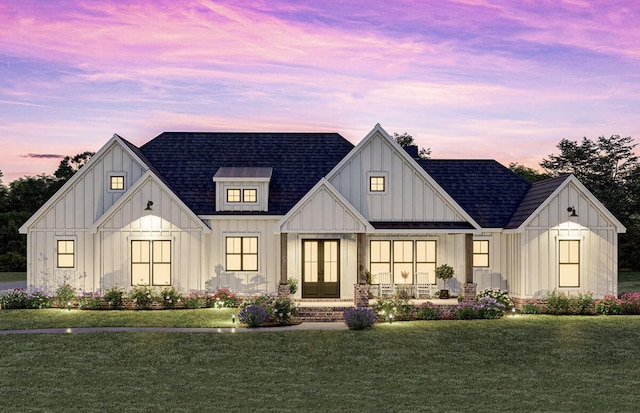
{"type": "Point", "coordinates": [149, 204]}
{"type": "Point", "coordinates": [572, 212]}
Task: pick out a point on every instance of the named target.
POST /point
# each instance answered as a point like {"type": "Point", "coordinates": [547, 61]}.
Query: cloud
{"type": "Point", "coordinates": [42, 156]}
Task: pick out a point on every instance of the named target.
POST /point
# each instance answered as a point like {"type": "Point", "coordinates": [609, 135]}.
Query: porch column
{"type": "Point", "coordinates": [283, 287]}
{"type": "Point", "coordinates": [361, 288]}
{"type": "Point", "coordinates": [469, 288]}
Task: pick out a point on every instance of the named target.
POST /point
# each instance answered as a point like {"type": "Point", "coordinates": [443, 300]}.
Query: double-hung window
{"type": "Point", "coordinates": [65, 257]}
{"type": "Point", "coordinates": [241, 254]}
{"type": "Point", "coordinates": [569, 263]}
{"type": "Point", "coordinates": [481, 253]}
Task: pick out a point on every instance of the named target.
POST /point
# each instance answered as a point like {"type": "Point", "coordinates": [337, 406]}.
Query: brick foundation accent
{"type": "Point", "coordinates": [361, 295]}
{"type": "Point", "coordinates": [322, 314]}
{"type": "Point", "coordinates": [284, 290]}
{"type": "Point", "coordinates": [519, 302]}
{"type": "Point", "coordinates": [469, 292]}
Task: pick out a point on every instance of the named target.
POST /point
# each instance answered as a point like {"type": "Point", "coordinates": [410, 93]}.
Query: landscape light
{"type": "Point", "coordinates": [233, 318]}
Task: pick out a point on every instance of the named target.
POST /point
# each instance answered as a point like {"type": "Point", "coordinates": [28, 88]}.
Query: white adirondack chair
{"type": "Point", "coordinates": [423, 286]}
{"type": "Point", "coordinates": [385, 281]}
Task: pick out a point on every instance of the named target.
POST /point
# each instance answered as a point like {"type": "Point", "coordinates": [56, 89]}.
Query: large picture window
{"type": "Point", "coordinates": [380, 254]}
{"type": "Point", "coordinates": [569, 263]}
{"type": "Point", "coordinates": [66, 254]}
{"type": "Point", "coordinates": [481, 253]}
{"type": "Point", "coordinates": [426, 259]}
{"type": "Point", "coordinates": [150, 262]}
{"type": "Point", "coordinates": [242, 254]}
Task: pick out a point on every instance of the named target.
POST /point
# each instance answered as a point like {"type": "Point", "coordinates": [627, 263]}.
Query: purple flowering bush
{"type": "Point", "coordinates": [360, 318]}
{"type": "Point", "coordinates": [490, 308]}
{"type": "Point", "coordinates": [466, 311]}
{"type": "Point", "coordinates": [253, 315]}
{"type": "Point", "coordinates": [427, 311]}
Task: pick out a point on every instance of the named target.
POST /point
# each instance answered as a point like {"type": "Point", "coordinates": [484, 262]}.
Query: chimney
{"type": "Point", "coordinates": [412, 150]}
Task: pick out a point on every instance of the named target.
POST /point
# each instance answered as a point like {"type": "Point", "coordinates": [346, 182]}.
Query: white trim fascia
{"type": "Point", "coordinates": [115, 139]}
{"type": "Point", "coordinates": [222, 217]}
{"type": "Point", "coordinates": [410, 161]}
{"type": "Point", "coordinates": [324, 183]}
{"type": "Point", "coordinates": [572, 179]}
{"type": "Point", "coordinates": [149, 175]}
{"type": "Point", "coordinates": [425, 231]}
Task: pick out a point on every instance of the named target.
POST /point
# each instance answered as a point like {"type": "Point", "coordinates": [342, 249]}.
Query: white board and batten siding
{"type": "Point", "coordinates": [598, 246]}
{"type": "Point", "coordinates": [168, 220]}
{"type": "Point", "coordinates": [266, 278]}
{"type": "Point", "coordinates": [79, 203]}
{"type": "Point", "coordinates": [408, 195]}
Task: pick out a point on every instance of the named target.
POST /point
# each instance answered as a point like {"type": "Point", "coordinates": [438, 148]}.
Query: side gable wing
{"type": "Point", "coordinates": [86, 195]}
{"type": "Point", "coordinates": [411, 194]}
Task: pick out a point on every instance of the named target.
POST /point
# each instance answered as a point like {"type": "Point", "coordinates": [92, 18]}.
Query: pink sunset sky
{"type": "Point", "coordinates": [499, 79]}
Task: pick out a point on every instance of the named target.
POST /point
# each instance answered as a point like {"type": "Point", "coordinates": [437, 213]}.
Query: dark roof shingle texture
{"type": "Point", "coordinates": [188, 160]}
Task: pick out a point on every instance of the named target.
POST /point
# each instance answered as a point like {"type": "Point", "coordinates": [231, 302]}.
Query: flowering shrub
{"type": "Point", "coordinates": [170, 297]}
{"type": "Point", "coordinates": [223, 298]}
{"type": "Point", "coordinates": [490, 308]}
{"type": "Point", "coordinates": [262, 300]}
{"type": "Point", "coordinates": [114, 297]}
{"type": "Point", "coordinates": [427, 311]}
{"type": "Point", "coordinates": [253, 315]}
{"type": "Point", "coordinates": [391, 309]}
{"type": "Point", "coordinates": [609, 305]}
{"type": "Point", "coordinates": [466, 311]}
{"type": "Point", "coordinates": [16, 298]}
{"type": "Point", "coordinates": [360, 318]}
{"type": "Point", "coordinates": [90, 301]}
{"type": "Point", "coordinates": [561, 303]}
{"type": "Point", "coordinates": [195, 300]}
{"type": "Point", "coordinates": [293, 285]}
{"type": "Point", "coordinates": [498, 295]}
{"type": "Point", "coordinates": [65, 294]}
{"type": "Point", "coordinates": [283, 310]}
{"type": "Point", "coordinates": [630, 303]}
{"type": "Point", "coordinates": [143, 296]}
{"type": "Point", "coordinates": [38, 300]}
{"type": "Point", "coordinates": [531, 308]}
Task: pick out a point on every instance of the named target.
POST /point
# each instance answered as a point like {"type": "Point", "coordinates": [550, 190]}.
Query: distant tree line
{"type": "Point", "coordinates": [20, 199]}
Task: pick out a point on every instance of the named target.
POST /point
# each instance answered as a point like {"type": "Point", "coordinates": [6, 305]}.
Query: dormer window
{"type": "Point", "coordinates": [233, 195]}
{"type": "Point", "coordinates": [242, 189]}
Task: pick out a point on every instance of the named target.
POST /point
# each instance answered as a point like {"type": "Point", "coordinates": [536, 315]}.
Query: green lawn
{"type": "Point", "coordinates": [13, 276]}
{"type": "Point", "coordinates": [522, 363]}
{"type": "Point", "coordinates": [59, 318]}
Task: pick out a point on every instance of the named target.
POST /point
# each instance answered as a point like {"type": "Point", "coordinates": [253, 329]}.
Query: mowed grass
{"type": "Point", "coordinates": [521, 363]}
{"type": "Point", "coordinates": [60, 318]}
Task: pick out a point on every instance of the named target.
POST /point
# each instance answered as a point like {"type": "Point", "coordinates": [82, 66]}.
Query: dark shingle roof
{"type": "Point", "coordinates": [187, 161]}
{"type": "Point", "coordinates": [487, 190]}
{"type": "Point", "coordinates": [536, 195]}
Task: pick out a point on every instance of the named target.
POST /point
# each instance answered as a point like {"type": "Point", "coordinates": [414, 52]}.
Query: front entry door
{"type": "Point", "coordinates": [320, 269]}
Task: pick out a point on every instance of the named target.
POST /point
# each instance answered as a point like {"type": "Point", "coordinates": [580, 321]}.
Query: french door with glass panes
{"type": "Point", "coordinates": [320, 269]}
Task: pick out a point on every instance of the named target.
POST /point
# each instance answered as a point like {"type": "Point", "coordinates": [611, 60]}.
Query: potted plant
{"type": "Point", "coordinates": [444, 272]}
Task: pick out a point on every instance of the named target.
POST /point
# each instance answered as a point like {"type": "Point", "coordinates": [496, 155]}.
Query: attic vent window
{"type": "Point", "coordinates": [116, 183]}
{"type": "Point", "coordinates": [233, 195]}
{"type": "Point", "coordinates": [376, 184]}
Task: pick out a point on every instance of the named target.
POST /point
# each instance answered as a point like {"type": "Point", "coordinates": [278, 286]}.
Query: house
{"type": "Point", "coordinates": [247, 211]}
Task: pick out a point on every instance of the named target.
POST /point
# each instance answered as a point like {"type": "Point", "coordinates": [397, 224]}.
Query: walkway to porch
{"type": "Point", "coordinates": [323, 310]}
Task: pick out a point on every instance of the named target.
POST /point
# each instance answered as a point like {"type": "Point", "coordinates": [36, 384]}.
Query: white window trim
{"type": "Point", "coordinates": [240, 188]}
{"type": "Point", "coordinates": [117, 173]}
{"type": "Point", "coordinates": [373, 174]}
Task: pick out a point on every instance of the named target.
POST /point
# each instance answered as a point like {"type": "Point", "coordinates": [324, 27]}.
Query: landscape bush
{"type": "Point", "coordinates": [195, 300]}
{"type": "Point", "coordinates": [394, 309]}
{"type": "Point", "coordinates": [13, 299]}
{"type": "Point", "coordinates": [559, 303]}
{"type": "Point", "coordinates": [114, 297]}
{"type": "Point", "coordinates": [630, 303]}
{"type": "Point", "coordinates": [360, 318]}
{"type": "Point", "coordinates": [38, 300]}
{"type": "Point", "coordinates": [498, 295]}
{"type": "Point", "coordinates": [531, 308]}
{"type": "Point", "coordinates": [90, 301]}
{"type": "Point", "coordinates": [65, 295]}
{"type": "Point", "coordinates": [253, 315]}
{"type": "Point", "coordinates": [223, 298]}
{"type": "Point", "coordinates": [170, 297]}
{"type": "Point", "coordinates": [427, 311]}
{"type": "Point", "coordinates": [143, 296]}
{"type": "Point", "coordinates": [609, 305]}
